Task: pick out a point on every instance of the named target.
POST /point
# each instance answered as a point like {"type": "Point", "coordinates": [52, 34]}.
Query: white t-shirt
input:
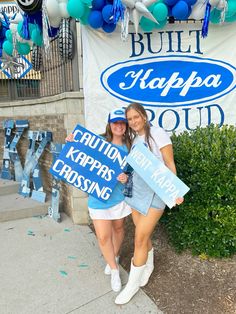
{"type": "Point", "coordinates": [159, 139]}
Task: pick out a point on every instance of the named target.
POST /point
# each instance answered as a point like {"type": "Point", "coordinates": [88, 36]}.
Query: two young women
{"type": "Point", "coordinates": [109, 229]}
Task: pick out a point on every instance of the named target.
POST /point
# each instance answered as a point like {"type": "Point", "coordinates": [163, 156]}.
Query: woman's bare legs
{"type": "Point", "coordinates": [103, 230]}
{"type": "Point", "coordinates": [135, 216]}
{"type": "Point", "coordinates": [144, 226]}
{"type": "Point", "coordinates": [117, 234]}
{"type": "Point", "coordinates": [110, 235]}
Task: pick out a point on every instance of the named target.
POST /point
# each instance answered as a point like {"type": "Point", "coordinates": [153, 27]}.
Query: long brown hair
{"type": "Point", "coordinates": [109, 136]}
{"type": "Point", "coordinates": [139, 108]}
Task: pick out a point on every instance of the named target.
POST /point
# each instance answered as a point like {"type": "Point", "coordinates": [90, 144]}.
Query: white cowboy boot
{"type": "Point", "coordinates": [132, 286]}
{"type": "Point", "coordinates": [107, 270]}
{"type": "Point", "coordinates": [148, 269]}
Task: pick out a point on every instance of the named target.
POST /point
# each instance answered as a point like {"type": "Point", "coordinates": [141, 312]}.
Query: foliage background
{"type": "Point", "coordinates": [206, 222]}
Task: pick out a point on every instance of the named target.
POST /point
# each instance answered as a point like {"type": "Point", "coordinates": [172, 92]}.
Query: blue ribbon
{"type": "Point", "coordinates": [25, 28]}
{"type": "Point", "coordinates": [118, 11]}
{"type": "Point", "coordinates": [206, 20]}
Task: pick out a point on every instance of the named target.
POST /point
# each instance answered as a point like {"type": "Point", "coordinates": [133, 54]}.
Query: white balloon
{"type": "Point", "coordinates": [55, 22]}
{"type": "Point", "coordinates": [147, 3]}
{"type": "Point", "coordinates": [214, 3]}
{"type": "Point", "coordinates": [63, 8]}
{"type": "Point", "coordinates": [221, 5]}
{"type": "Point", "coordinates": [129, 3]}
{"type": "Point", "coordinates": [136, 19]}
{"type": "Point", "coordinates": [53, 9]}
{"type": "Point", "coordinates": [198, 11]}
{"type": "Point", "coordinates": [144, 11]}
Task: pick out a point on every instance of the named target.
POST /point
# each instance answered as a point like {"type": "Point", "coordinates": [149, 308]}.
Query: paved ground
{"type": "Point", "coordinates": [49, 267]}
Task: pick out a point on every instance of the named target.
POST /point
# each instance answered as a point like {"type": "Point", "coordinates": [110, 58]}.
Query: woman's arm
{"type": "Point", "coordinates": [168, 157]}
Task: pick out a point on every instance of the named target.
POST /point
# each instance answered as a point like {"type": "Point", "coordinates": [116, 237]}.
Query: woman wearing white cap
{"type": "Point", "coordinates": [108, 217]}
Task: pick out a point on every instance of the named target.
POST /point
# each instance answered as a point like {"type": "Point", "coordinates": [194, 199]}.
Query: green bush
{"type": "Point", "coordinates": [206, 222]}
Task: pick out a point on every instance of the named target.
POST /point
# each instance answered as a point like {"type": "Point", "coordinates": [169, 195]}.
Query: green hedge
{"type": "Point", "coordinates": [206, 222]}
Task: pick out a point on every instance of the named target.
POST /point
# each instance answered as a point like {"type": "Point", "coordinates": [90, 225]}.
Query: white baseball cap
{"type": "Point", "coordinates": [117, 115]}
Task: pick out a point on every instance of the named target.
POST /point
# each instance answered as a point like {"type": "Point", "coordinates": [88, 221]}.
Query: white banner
{"type": "Point", "coordinates": [182, 80]}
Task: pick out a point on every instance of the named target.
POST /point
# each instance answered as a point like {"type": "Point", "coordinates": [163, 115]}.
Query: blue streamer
{"type": "Point", "coordinates": [36, 18]}
{"type": "Point", "coordinates": [25, 33]}
{"type": "Point", "coordinates": [206, 20]}
{"type": "Point", "coordinates": [7, 21]}
{"type": "Point", "coordinates": [118, 11]}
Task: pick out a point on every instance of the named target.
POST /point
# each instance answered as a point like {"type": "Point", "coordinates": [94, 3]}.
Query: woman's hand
{"type": "Point", "coordinates": [179, 200]}
{"type": "Point", "coordinates": [122, 178]}
{"type": "Point", "coordinates": [70, 138]}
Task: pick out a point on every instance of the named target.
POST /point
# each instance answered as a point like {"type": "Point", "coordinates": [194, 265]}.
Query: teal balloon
{"type": "Point", "coordinates": [32, 27]}
{"type": "Point", "coordinates": [161, 24]}
{"type": "Point", "coordinates": [75, 8]}
{"type": "Point", "coordinates": [151, 7]}
{"type": "Point", "coordinates": [22, 48]}
{"type": "Point", "coordinates": [87, 3]}
{"type": "Point", "coordinates": [84, 19]}
{"type": "Point", "coordinates": [8, 35]}
{"type": "Point", "coordinates": [7, 47]}
{"type": "Point", "coordinates": [146, 24]}
{"type": "Point", "coordinates": [160, 12]}
{"type": "Point", "coordinates": [231, 19]}
{"type": "Point", "coordinates": [37, 37]}
{"type": "Point", "coordinates": [215, 16]}
{"type": "Point", "coordinates": [231, 10]}
{"type": "Point", "coordinates": [19, 28]}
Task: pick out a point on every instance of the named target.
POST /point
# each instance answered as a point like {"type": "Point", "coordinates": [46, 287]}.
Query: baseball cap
{"type": "Point", "coordinates": [117, 115]}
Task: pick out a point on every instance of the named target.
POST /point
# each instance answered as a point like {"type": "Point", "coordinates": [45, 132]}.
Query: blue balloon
{"type": "Point", "coordinates": [190, 2]}
{"type": "Point", "coordinates": [107, 13]}
{"type": "Point", "coordinates": [108, 28]}
{"type": "Point", "coordinates": [95, 19]}
{"type": "Point", "coordinates": [170, 2]}
{"type": "Point", "coordinates": [180, 10]}
{"type": "Point", "coordinates": [98, 4]}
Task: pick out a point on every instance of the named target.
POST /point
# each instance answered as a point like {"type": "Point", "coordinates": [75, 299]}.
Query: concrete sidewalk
{"type": "Point", "coordinates": [49, 267]}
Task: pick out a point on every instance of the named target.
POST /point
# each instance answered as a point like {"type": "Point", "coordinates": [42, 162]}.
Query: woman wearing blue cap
{"type": "Point", "coordinates": [108, 217]}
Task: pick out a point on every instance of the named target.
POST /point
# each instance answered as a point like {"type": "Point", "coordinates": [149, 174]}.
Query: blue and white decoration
{"type": "Point", "coordinates": [182, 79]}
{"type": "Point", "coordinates": [159, 178]}
{"type": "Point", "coordinates": [90, 164]}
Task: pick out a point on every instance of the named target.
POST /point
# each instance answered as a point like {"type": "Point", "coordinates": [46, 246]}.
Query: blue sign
{"type": "Point", "coordinates": [90, 164]}
{"type": "Point", "coordinates": [159, 178]}
{"type": "Point", "coordinates": [169, 80]}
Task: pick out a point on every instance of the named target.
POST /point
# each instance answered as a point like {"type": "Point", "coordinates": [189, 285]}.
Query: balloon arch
{"type": "Point", "coordinates": [40, 20]}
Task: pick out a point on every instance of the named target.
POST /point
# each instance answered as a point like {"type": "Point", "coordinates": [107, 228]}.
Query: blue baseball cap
{"type": "Point", "coordinates": [117, 115]}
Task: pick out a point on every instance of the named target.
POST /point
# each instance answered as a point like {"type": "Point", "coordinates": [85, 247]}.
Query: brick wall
{"type": "Point", "coordinates": [58, 114]}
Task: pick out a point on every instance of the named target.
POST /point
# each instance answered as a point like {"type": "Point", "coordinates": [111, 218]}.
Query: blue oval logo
{"type": "Point", "coordinates": [171, 81]}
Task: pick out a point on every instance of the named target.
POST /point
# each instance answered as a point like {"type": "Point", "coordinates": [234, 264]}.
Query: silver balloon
{"type": "Point", "coordinates": [138, 8]}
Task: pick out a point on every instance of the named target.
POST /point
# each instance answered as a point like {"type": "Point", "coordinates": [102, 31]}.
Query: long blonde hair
{"type": "Point", "coordinates": [139, 108]}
